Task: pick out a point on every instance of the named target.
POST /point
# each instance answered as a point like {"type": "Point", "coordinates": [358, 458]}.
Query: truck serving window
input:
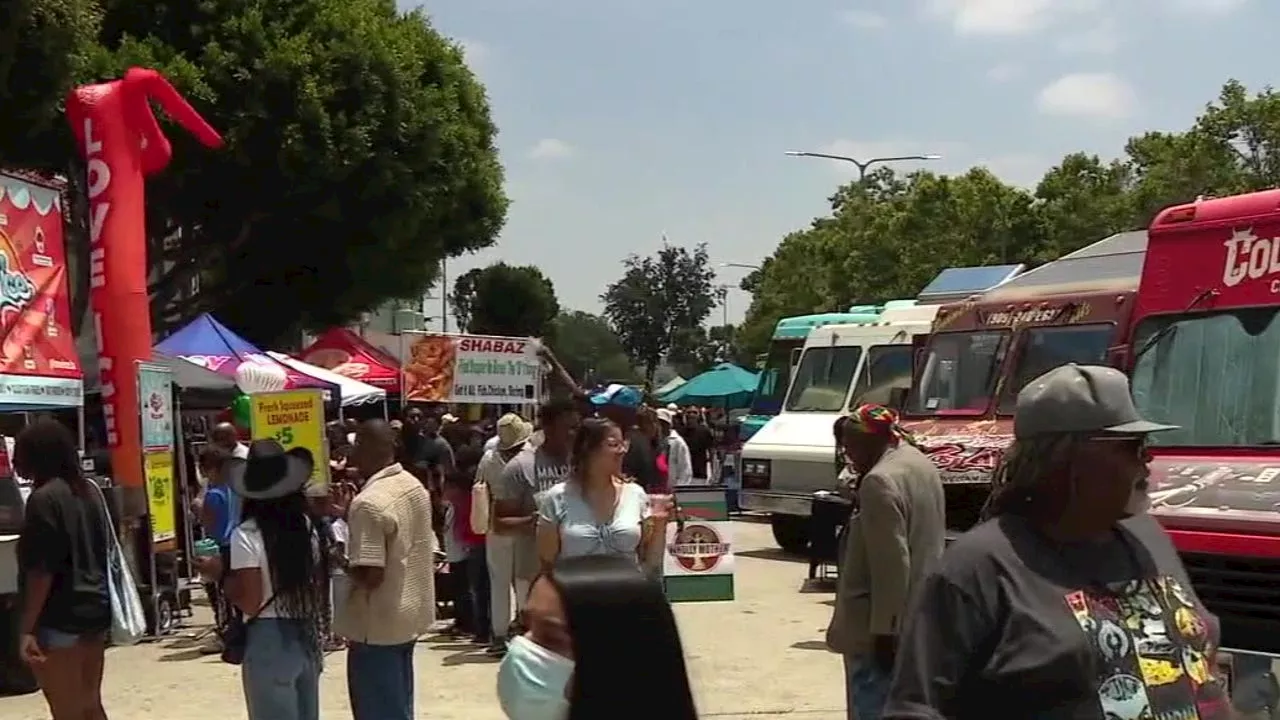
{"type": "Point", "coordinates": [822, 379]}
{"type": "Point", "coordinates": [775, 376]}
{"type": "Point", "coordinates": [959, 373]}
{"type": "Point", "coordinates": [1215, 375]}
{"type": "Point", "coordinates": [1045, 348]}
{"type": "Point", "coordinates": [887, 367]}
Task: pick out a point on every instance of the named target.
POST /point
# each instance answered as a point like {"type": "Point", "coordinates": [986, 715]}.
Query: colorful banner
{"type": "Point", "coordinates": [39, 365]}
{"type": "Point", "coordinates": [293, 418]}
{"type": "Point", "coordinates": [470, 369]}
{"type": "Point", "coordinates": [155, 398]}
{"type": "Point", "coordinates": [161, 495]}
{"type": "Point", "coordinates": [122, 143]}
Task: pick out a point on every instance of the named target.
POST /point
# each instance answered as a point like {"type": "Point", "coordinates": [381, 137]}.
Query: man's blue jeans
{"type": "Point", "coordinates": [866, 688]}
{"type": "Point", "coordinates": [380, 681]}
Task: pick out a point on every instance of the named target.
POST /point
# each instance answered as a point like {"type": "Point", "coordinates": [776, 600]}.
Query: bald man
{"type": "Point", "coordinates": [225, 436]}
{"type": "Point", "coordinates": [391, 554]}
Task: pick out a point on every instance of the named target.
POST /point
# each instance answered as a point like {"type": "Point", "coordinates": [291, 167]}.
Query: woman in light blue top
{"type": "Point", "coordinates": [596, 512]}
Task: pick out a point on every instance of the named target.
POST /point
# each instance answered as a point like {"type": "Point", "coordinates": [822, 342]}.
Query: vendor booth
{"type": "Point", "coordinates": [211, 345]}
{"type": "Point", "coordinates": [39, 370]}
{"type": "Point", "coordinates": [349, 355]}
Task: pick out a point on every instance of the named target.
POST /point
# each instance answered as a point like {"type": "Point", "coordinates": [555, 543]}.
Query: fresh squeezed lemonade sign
{"type": "Point", "coordinates": [293, 418]}
{"type": "Point", "coordinates": [471, 369]}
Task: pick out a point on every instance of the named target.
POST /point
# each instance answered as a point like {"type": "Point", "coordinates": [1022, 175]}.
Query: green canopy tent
{"type": "Point", "coordinates": [725, 386]}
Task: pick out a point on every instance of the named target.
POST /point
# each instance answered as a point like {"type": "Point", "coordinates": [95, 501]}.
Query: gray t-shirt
{"type": "Point", "coordinates": [529, 474]}
{"type": "Point", "coordinates": [1012, 625]}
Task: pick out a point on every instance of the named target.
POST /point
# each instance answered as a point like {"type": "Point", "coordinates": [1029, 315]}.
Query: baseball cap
{"type": "Point", "coordinates": [621, 395]}
{"type": "Point", "coordinates": [512, 431]}
{"type": "Point", "coordinates": [1079, 399]}
{"type": "Point", "coordinates": [664, 415]}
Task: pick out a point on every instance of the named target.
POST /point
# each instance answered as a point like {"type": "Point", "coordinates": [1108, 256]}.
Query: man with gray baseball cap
{"type": "Point", "coordinates": [1065, 598]}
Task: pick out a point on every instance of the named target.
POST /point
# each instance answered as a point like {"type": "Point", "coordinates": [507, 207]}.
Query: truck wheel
{"type": "Point", "coordinates": [791, 533]}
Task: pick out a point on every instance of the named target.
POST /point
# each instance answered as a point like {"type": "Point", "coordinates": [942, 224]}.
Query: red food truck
{"type": "Point", "coordinates": [1205, 356]}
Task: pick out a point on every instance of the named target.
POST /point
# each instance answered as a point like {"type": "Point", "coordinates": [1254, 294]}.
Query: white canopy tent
{"type": "Point", "coordinates": [353, 391]}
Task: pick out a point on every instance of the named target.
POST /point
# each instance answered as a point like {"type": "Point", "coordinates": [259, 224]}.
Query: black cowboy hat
{"type": "Point", "coordinates": [270, 472]}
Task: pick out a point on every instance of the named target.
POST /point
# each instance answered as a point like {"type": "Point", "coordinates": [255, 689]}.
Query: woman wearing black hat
{"type": "Point", "coordinates": [279, 580]}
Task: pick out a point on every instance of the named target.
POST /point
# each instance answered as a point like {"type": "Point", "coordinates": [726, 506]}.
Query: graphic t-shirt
{"type": "Point", "coordinates": [1013, 625]}
{"type": "Point", "coordinates": [529, 474]}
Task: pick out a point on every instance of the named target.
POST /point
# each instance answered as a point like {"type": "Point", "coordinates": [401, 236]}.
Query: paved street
{"type": "Point", "coordinates": [760, 656]}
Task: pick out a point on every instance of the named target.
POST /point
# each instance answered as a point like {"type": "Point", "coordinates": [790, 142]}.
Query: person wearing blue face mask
{"type": "Point", "coordinates": [596, 624]}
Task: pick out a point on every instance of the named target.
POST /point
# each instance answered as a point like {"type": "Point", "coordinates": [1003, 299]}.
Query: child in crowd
{"type": "Point", "coordinates": [339, 585]}
{"type": "Point", "coordinates": [464, 552]}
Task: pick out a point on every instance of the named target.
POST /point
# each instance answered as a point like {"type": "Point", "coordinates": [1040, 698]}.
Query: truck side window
{"type": "Point", "coordinates": [887, 367]}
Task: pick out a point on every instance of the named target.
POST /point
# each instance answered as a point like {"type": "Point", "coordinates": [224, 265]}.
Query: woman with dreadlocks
{"type": "Point", "coordinates": [280, 581]}
{"type": "Point", "coordinates": [1069, 601]}
{"type": "Point", "coordinates": [898, 531]}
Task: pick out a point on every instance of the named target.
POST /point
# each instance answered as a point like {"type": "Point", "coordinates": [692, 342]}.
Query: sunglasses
{"type": "Point", "coordinates": [1138, 443]}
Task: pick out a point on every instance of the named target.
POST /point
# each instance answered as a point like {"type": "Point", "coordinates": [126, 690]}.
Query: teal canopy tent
{"type": "Point", "coordinates": [725, 385]}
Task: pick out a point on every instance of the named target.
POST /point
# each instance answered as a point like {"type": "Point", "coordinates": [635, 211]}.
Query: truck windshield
{"type": "Point", "coordinates": [775, 376]}
{"type": "Point", "coordinates": [1215, 375]}
{"type": "Point", "coordinates": [959, 373]}
{"type": "Point", "coordinates": [822, 379]}
{"type": "Point", "coordinates": [1044, 348]}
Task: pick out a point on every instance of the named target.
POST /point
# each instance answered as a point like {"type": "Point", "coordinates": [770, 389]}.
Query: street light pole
{"type": "Point", "coordinates": [862, 165]}
{"type": "Point", "coordinates": [744, 266]}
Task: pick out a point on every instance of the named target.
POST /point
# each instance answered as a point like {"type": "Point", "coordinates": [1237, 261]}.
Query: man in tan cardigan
{"type": "Point", "coordinates": [898, 530]}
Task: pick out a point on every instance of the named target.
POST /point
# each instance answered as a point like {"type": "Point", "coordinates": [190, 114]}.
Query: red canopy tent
{"type": "Point", "coordinates": [346, 353]}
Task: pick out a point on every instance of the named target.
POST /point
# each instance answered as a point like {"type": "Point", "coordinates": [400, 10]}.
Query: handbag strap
{"type": "Point", "coordinates": [261, 608]}
{"type": "Point", "coordinates": [112, 547]}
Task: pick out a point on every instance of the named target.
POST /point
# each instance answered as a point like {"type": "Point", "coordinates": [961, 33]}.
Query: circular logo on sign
{"type": "Point", "coordinates": [698, 547]}
{"type": "Point", "coordinates": [156, 403]}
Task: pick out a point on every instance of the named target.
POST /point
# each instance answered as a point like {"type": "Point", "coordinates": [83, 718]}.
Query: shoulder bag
{"type": "Point", "coordinates": [235, 636]}
{"type": "Point", "coordinates": [128, 621]}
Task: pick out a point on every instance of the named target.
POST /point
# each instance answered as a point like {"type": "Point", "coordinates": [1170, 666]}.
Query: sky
{"type": "Point", "coordinates": [621, 122]}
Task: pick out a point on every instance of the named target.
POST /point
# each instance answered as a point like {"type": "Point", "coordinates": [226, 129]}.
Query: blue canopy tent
{"type": "Point", "coordinates": [725, 385]}
{"type": "Point", "coordinates": [211, 345]}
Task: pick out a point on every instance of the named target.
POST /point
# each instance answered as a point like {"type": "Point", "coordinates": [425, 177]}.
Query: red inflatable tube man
{"type": "Point", "coordinates": [122, 144]}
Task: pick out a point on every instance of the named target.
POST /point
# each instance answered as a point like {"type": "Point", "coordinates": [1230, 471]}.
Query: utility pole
{"type": "Point", "coordinates": [444, 295]}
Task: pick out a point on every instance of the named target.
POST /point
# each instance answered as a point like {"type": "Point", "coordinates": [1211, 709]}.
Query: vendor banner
{"type": "Point", "coordinates": [482, 369]}
{"type": "Point", "coordinates": [161, 495]}
{"type": "Point", "coordinates": [155, 399]}
{"type": "Point", "coordinates": [293, 418]}
{"type": "Point", "coordinates": [39, 365]}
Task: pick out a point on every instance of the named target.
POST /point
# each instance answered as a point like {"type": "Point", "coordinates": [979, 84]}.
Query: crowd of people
{"type": "Point", "coordinates": [1068, 601]}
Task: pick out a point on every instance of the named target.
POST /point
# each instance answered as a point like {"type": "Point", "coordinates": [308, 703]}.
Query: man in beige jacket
{"type": "Point", "coordinates": [898, 530]}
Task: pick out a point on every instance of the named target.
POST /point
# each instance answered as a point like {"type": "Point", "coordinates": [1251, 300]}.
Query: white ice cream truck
{"type": "Point", "coordinates": [841, 366]}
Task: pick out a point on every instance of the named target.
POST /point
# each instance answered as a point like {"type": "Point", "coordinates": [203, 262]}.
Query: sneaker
{"type": "Point", "coordinates": [212, 646]}
{"type": "Point", "coordinates": [484, 639]}
{"type": "Point", "coordinates": [497, 648]}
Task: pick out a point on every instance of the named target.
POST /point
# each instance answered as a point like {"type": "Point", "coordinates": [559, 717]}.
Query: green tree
{"type": "Point", "coordinates": [359, 153]}
{"type": "Point", "coordinates": [502, 299]}
{"type": "Point", "coordinates": [589, 349]}
{"type": "Point", "coordinates": [45, 48]}
{"type": "Point", "coordinates": [655, 302]}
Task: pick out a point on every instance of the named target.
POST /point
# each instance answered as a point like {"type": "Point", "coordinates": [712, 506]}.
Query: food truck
{"type": "Point", "coordinates": [983, 350]}
{"type": "Point", "coordinates": [841, 366]}
{"type": "Point", "coordinates": [1205, 356]}
{"type": "Point", "coordinates": [778, 365]}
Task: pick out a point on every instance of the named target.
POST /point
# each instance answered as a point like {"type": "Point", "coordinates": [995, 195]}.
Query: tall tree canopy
{"type": "Point", "coordinates": [589, 349]}
{"type": "Point", "coordinates": [889, 235]}
{"type": "Point", "coordinates": [657, 299]}
{"type": "Point", "coordinates": [359, 152]}
{"type": "Point", "coordinates": [504, 299]}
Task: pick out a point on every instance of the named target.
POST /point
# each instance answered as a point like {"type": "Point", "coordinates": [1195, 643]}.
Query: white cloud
{"type": "Point", "coordinates": [1216, 7]}
{"type": "Point", "coordinates": [1103, 38]}
{"type": "Point", "coordinates": [1088, 95]}
{"type": "Point", "coordinates": [1004, 72]}
{"type": "Point", "coordinates": [551, 149]}
{"type": "Point", "coordinates": [1005, 17]}
{"type": "Point", "coordinates": [864, 19]}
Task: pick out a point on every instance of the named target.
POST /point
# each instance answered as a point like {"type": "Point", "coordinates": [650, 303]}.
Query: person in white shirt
{"type": "Point", "coordinates": [679, 463]}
